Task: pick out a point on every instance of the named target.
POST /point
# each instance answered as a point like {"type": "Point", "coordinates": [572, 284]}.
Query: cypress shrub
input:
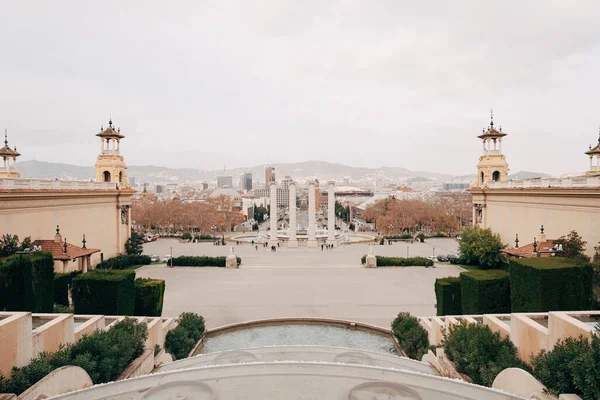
{"type": "Point", "coordinates": [3, 285]}
{"type": "Point", "coordinates": [411, 336]}
{"type": "Point", "coordinates": [149, 296]}
{"type": "Point", "coordinates": [124, 261]}
{"type": "Point", "coordinates": [550, 284]}
{"type": "Point", "coordinates": [447, 294]}
{"type": "Point", "coordinates": [200, 261]}
{"type": "Point", "coordinates": [42, 280]}
{"type": "Point", "coordinates": [19, 288]}
{"type": "Point", "coordinates": [400, 261]}
{"type": "Point", "coordinates": [485, 292]}
{"type": "Point", "coordinates": [107, 292]}
{"type": "Point", "coordinates": [61, 287]}
{"type": "Point", "coordinates": [180, 341]}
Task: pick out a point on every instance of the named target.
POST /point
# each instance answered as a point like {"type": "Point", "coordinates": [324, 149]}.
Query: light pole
{"type": "Point", "coordinates": [434, 252]}
{"type": "Point", "coordinates": [407, 247]}
{"type": "Point", "coordinates": [171, 259]}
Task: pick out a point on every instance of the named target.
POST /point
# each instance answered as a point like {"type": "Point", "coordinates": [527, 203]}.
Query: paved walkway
{"type": "Point", "coordinates": [298, 283]}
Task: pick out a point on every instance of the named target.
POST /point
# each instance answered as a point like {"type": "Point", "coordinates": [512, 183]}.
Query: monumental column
{"type": "Point", "coordinates": [312, 223]}
{"type": "Point", "coordinates": [292, 241]}
{"type": "Point", "coordinates": [331, 212]}
{"type": "Point", "coordinates": [273, 213]}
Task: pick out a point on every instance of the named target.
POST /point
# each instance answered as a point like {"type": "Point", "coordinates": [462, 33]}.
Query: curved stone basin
{"type": "Point", "coordinates": [290, 332]}
{"type": "Point", "coordinates": [290, 380]}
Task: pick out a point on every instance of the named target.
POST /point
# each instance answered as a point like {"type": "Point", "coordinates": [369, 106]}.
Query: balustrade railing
{"type": "Point", "coordinates": [38, 184]}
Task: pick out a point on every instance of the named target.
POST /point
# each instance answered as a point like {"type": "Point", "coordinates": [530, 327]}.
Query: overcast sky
{"type": "Point", "coordinates": [369, 83]}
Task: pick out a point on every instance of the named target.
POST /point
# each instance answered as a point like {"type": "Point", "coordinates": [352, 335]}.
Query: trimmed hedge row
{"type": "Point", "coordinates": [108, 292]}
{"type": "Point", "coordinates": [200, 261]}
{"type": "Point", "coordinates": [61, 287]}
{"type": "Point", "coordinates": [181, 340]}
{"type": "Point", "coordinates": [485, 292]}
{"type": "Point", "coordinates": [124, 261]}
{"type": "Point", "coordinates": [447, 294]}
{"type": "Point", "coordinates": [149, 296]}
{"type": "Point", "coordinates": [550, 284]}
{"type": "Point", "coordinates": [27, 283]}
{"type": "Point", "coordinates": [400, 261]}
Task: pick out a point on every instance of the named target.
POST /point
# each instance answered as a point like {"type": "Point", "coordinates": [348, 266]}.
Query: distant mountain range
{"type": "Point", "coordinates": [307, 169]}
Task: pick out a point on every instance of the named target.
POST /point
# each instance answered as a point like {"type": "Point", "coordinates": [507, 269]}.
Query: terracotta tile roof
{"type": "Point", "coordinates": [8, 152]}
{"type": "Point", "coordinates": [492, 133]}
{"type": "Point", "coordinates": [544, 248]}
{"type": "Point", "coordinates": [110, 132]}
{"type": "Point", "coordinates": [58, 251]}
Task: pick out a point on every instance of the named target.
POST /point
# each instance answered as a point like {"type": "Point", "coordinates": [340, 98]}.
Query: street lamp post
{"type": "Point", "coordinates": [171, 259]}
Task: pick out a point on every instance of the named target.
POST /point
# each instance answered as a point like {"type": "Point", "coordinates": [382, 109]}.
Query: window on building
{"type": "Point", "coordinates": [106, 176]}
{"type": "Point", "coordinates": [496, 176]}
{"type": "Point", "coordinates": [121, 176]}
{"type": "Point", "coordinates": [482, 176]}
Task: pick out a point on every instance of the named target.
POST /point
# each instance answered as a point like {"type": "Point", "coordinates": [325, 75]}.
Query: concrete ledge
{"type": "Point", "coordinates": [61, 380]}
{"type": "Point", "coordinates": [340, 355]}
{"type": "Point", "coordinates": [522, 383]}
{"type": "Point", "coordinates": [292, 380]}
{"type": "Point", "coordinates": [48, 337]}
{"type": "Point", "coordinates": [94, 323]}
{"type": "Point", "coordinates": [142, 365]}
{"type": "Point", "coordinates": [15, 340]}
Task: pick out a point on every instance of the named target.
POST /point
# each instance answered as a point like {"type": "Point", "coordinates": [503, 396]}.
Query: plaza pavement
{"type": "Point", "coordinates": [299, 283]}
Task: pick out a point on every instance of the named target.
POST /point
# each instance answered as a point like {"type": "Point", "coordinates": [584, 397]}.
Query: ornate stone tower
{"type": "Point", "coordinates": [492, 165]}
{"type": "Point", "coordinates": [594, 153]}
{"type": "Point", "coordinates": [8, 154]}
{"type": "Point", "coordinates": [110, 165]}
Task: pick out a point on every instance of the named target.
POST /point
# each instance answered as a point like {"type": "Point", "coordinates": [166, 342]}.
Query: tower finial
{"type": "Point", "coordinates": [5, 137]}
{"type": "Point", "coordinates": [599, 135]}
{"type": "Point", "coordinates": [491, 117]}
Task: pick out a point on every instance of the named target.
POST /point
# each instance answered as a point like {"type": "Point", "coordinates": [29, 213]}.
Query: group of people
{"type": "Point", "coordinates": [325, 246]}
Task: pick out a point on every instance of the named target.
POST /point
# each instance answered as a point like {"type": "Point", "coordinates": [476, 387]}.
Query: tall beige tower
{"type": "Point", "coordinates": [492, 165]}
{"type": "Point", "coordinates": [110, 165]}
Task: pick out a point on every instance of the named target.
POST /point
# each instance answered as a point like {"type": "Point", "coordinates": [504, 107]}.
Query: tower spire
{"type": "Point", "coordinates": [491, 117]}
{"type": "Point", "coordinates": [5, 137]}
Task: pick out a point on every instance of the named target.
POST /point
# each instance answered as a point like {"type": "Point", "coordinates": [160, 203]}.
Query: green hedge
{"type": "Point", "coordinates": [485, 292]}
{"type": "Point", "coordinates": [411, 336]}
{"type": "Point", "coordinates": [104, 355]}
{"type": "Point", "coordinates": [27, 283]}
{"type": "Point", "coordinates": [61, 287]}
{"type": "Point", "coordinates": [447, 294]}
{"type": "Point", "coordinates": [400, 261]}
{"type": "Point", "coordinates": [181, 340]}
{"type": "Point", "coordinates": [200, 261]}
{"type": "Point", "coordinates": [124, 261]}
{"type": "Point", "coordinates": [107, 292]}
{"type": "Point", "coordinates": [550, 284]}
{"type": "Point", "coordinates": [149, 296]}
{"type": "Point", "coordinates": [479, 352]}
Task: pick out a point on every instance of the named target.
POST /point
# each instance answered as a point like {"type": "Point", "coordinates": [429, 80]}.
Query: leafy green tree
{"type": "Point", "coordinates": [481, 247]}
{"type": "Point", "coordinates": [26, 243]}
{"type": "Point", "coordinates": [259, 214]}
{"type": "Point", "coordinates": [9, 245]}
{"type": "Point", "coordinates": [573, 245]}
{"type": "Point", "coordinates": [133, 245]}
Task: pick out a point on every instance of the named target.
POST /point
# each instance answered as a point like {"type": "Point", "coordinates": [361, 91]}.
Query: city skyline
{"type": "Point", "coordinates": [359, 84]}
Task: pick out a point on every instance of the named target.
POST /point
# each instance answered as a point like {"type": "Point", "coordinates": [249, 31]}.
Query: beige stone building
{"type": "Point", "coordinates": [98, 209]}
{"type": "Point", "coordinates": [519, 208]}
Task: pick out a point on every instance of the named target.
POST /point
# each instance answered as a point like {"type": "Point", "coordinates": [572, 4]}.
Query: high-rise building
{"type": "Point", "coordinates": [160, 189]}
{"type": "Point", "coordinates": [269, 175]}
{"type": "Point", "coordinates": [225, 181]}
{"type": "Point", "coordinates": [204, 185]}
{"type": "Point", "coordinates": [246, 181]}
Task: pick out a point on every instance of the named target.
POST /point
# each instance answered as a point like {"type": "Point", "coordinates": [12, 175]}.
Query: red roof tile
{"type": "Point", "coordinates": [58, 251]}
{"type": "Point", "coordinates": [544, 248]}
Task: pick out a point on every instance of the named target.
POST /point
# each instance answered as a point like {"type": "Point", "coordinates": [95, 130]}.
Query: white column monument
{"type": "Point", "coordinates": [273, 214]}
{"type": "Point", "coordinates": [312, 223]}
{"type": "Point", "coordinates": [331, 213]}
{"type": "Point", "coordinates": [292, 241]}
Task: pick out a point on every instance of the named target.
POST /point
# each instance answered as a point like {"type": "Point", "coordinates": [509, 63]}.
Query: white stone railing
{"type": "Point", "coordinates": [575, 182]}
{"type": "Point", "coordinates": [20, 183]}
